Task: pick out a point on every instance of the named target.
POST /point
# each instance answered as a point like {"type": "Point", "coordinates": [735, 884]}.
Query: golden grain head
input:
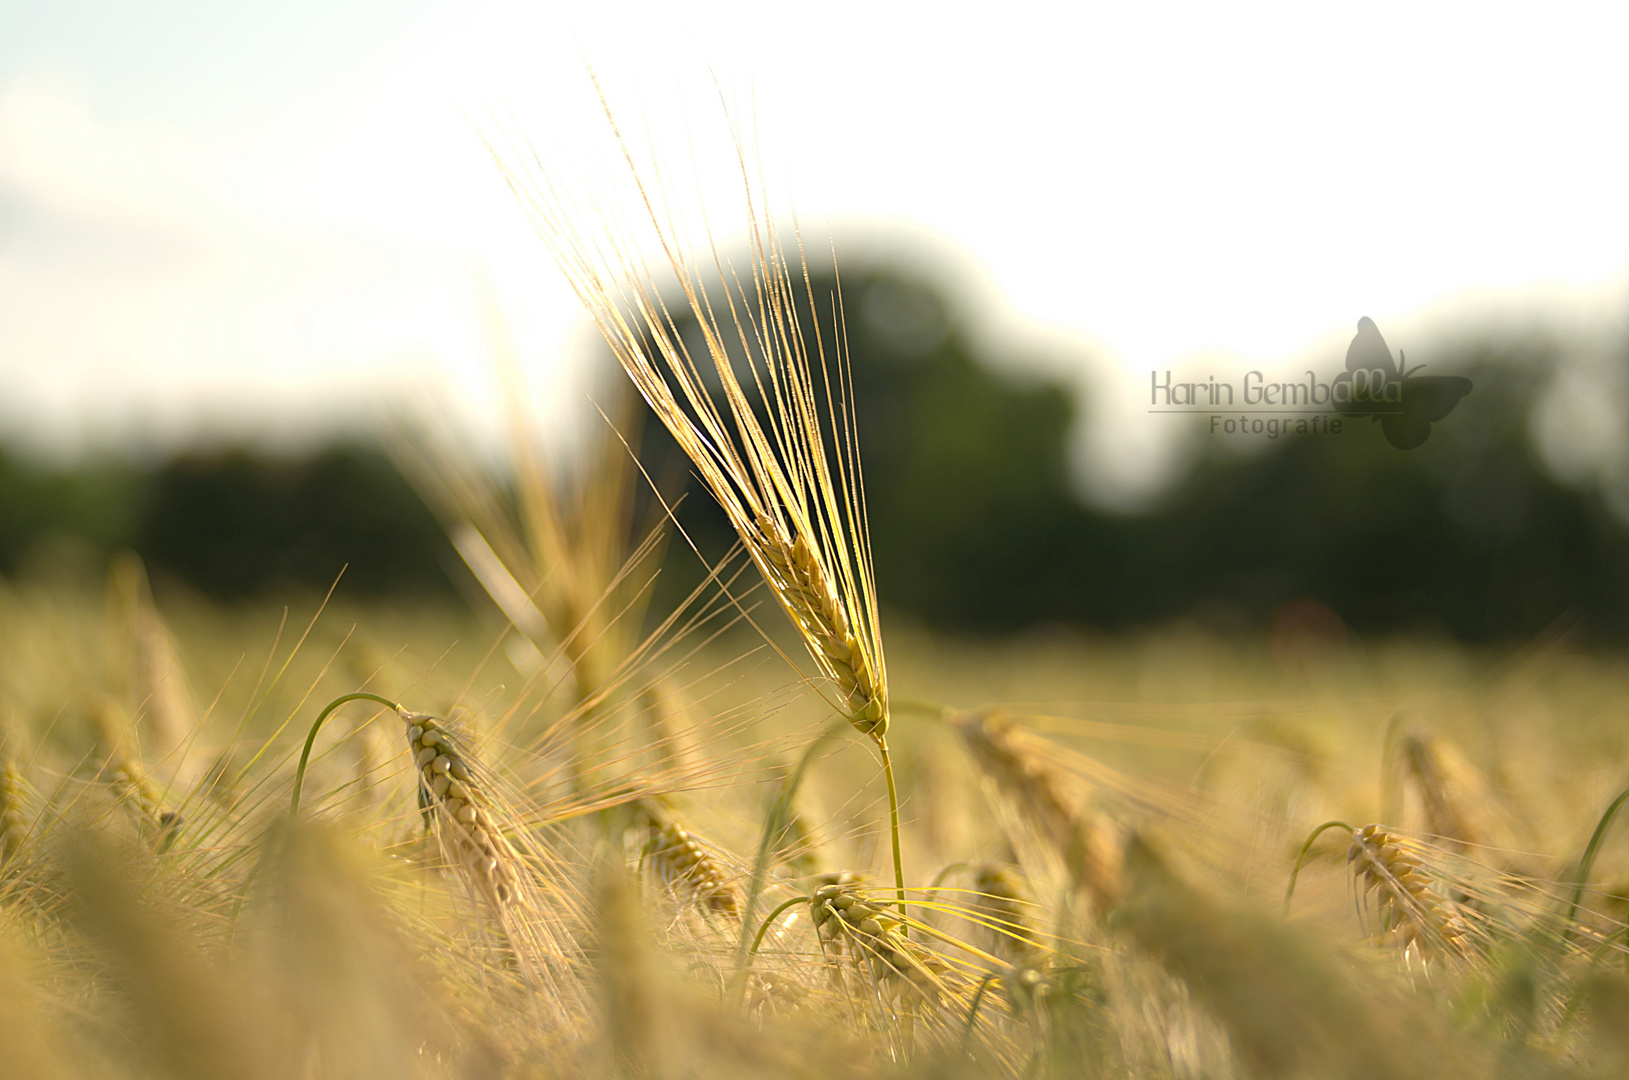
{"type": "Point", "coordinates": [683, 862]}
{"type": "Point", "coordinates": [781, 460]}
{"type": "Point", "coordinates": [460, 808]}
{"type": "Point", "coordinates": [872, 936]}
{"type": "Point", "coordinates": [1411, 911]}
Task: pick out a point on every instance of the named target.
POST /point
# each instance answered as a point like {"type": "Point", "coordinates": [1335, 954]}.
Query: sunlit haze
{"type": "Point", "coordinates": [222, 221]}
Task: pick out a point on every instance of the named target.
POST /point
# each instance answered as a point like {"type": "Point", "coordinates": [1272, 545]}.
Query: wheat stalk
{"type": "Point", "coordinates": [796, 506]}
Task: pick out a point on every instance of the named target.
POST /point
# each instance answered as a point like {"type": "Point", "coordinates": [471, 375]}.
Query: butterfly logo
{"type": "Point", "coordinates": [1404, 404]}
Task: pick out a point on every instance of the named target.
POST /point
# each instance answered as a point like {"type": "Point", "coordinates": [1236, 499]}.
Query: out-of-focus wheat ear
{"type": "Point", "coordinates": [669, 725]}
{"type": "Point", "coordinates": [805, 844]}
{"type": "Point", "coordinates": [370, 667]}
{"type": "Point", "coordinates": [1090, 844]}
{"type": "Point", "coordinates": [145, 661]}
{"type": "Point", "coordinates": [1005, 902]}
{"type": "Point", "coordinates": [1289, 1011]}
{"type": "Point", "coordinates": [221, 782]}
{"type": "Point", "coordinates": [683, 862]}
{"type": "Point", "coordinates": [14, 815]}
{"type": "Point", "coordinates": [33, 1043]}
{"type": "Point", "coordinates": [123, 768]}
{"type": "Point", "coordinates": [637, 1025]}
{"type": "Point", "coordinates": [1461, 804]}
{"type": "Point", "coordinates": [188, 1017]}
{"type": "Point", "coordinates": [1411, 912]}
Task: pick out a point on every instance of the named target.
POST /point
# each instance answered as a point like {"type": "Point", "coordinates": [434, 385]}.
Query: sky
{"type": "Point", "coordinates": [221, 221]}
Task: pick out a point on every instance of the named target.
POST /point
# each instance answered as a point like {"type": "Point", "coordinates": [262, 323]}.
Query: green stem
{"type": "Point", "coordinates": [973, 1010]}
{"type": "Point", "coordinates": [305, 752]}
{"type": "Point", "coordinates": [939, 878]}
{"type": "Point", "coordinates": [893, 827]}
{"type": "Point", "coordinates": [769, 920]}
{"type": "Point", "coordinates": [777, 820]}
{"type": "Point", "coordinates": [1586, 865]}
{"type": "Point", "coordinates": [1295, 871]}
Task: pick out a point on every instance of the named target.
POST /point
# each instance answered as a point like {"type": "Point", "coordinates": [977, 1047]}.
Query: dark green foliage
{"type": "Point", "coordinates": [234, 524]}
{"type": "Point", "coordinates": [975, 524]}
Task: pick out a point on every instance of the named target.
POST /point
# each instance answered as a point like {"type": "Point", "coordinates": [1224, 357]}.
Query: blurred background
{"type": "Point", "coordinates": [237, 246]}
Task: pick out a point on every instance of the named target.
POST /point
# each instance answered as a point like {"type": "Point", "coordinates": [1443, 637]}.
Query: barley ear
{"type": "Point", "coordinates": [683, 861]}
{"type": "Point", "coordinates": [13, 810]}
{"type": "Point", "coordinates": [462, 808]}
{"type": "Point", "coordinates": [1409, 908]}
{"type": "Point", "coordinates": [1089, 843]}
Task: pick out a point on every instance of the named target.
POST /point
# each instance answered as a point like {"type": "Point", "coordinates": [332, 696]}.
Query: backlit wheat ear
{"type": "Point", "coordinates": [800, 527]}
{"type": "Point", "coordinates": [1089, 844]}
{"type": "Point", "coordinates": [782, 462]}
{"type": "Point", "coordinates": [1004, 900]}
{"type": "Point", "coordinates": [1410, 911]}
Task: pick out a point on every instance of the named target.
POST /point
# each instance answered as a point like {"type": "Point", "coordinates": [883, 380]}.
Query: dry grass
{"type": "Point", "coordinates": [484, 948]}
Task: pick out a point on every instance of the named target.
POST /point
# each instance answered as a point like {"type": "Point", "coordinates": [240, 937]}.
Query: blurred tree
{"type": "Point", "coordinates": [973, 519]}
{"type": "Point", "coordinates": [235, 525]}
{"type": "Point", "coordinates": [96, 503]}
{"type": "Point", "coordinates": [975, 526]}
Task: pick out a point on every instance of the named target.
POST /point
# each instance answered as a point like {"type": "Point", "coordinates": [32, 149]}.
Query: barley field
{"type": "Point", "coordinates": [770, 829]}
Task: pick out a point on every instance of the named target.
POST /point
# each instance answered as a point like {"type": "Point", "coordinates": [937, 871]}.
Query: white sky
{"type": "Point", "coordinates": [223, 218]}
